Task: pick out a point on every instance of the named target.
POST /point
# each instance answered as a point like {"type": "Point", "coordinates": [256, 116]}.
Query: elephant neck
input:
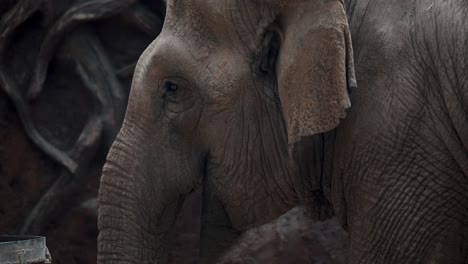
{"type": "Point", "coordinates": [313, 157]}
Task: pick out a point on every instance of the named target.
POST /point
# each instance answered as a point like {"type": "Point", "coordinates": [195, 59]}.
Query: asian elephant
{"type": "Point", "coordinates": [355, 108]}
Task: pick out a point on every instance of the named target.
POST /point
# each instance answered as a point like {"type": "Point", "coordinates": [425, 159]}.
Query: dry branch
{"type": "Point", "coordinates": [51, 203]}
{"type": "Point", "coordinates": [23, 113]}
{"type": "Point", "coordinates": [88, 11]}
{"type": "Point", "coordinates": [93, 65]}
{"type": "Point", "coordinates": [14, 18]}
{"type": "Point", "coordinates": [95, 69]}
{"type": "Point", "coordinates": [145, 20]}
{"type": "Point", "coordinates": [98, 75]}
{"type": "Point", "coordinates": [126, 71]}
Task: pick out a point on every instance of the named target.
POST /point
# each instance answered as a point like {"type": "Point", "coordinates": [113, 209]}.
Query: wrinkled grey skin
{"type": "Point", "coordinates": [394, 171]}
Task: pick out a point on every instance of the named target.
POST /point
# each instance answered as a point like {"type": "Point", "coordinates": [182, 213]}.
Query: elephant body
{"type": "Point", "coordinates": [400, 181]}
{"type": "Point", "coordinates": [257, 101]}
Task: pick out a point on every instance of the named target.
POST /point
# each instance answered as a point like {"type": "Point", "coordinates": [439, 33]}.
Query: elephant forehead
{"type": "Point", "coordinates": [207, 6]}
{"type": "Point", "coordinates": [214, 22]}
{"type": "Point", "coordinates": [187, 22]}
{"type": "Point", "coordinates": [165, 50]}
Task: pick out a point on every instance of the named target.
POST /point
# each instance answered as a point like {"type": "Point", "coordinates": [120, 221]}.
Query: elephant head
{"type": "Point", "coordinates": [218, 99]}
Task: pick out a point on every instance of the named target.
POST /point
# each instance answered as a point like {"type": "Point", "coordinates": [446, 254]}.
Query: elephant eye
{"type": "Point", "coordinates": [177, 96]}
{"type": "Point", "coordinates": [170, 87]}
{"type": "Point", "coordinates": [175, 90]}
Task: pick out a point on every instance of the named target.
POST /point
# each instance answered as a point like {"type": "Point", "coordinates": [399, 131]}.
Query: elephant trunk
{"type": "Point", "coordinates": [135, 212]}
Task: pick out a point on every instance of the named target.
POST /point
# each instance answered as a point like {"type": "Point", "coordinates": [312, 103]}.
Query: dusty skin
{"type": "Point", "coordinates": [356, 110]}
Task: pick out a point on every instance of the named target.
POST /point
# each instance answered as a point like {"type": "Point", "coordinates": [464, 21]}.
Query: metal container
{"type": "Point", "coordinates": [23, 250]}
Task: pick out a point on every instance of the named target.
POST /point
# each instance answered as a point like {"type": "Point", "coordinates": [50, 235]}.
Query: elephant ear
{"type": "Point", "coordinates": [315, 67]}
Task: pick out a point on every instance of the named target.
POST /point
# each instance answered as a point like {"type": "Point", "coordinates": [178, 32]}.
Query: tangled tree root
{"type": "Point", "coordinates": [96, 72]}
{"type": "Point", "coordinates": [87, 11]}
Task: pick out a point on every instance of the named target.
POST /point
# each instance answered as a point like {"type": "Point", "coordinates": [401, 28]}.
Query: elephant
{"type": "Point", "coordinates": [355, 109]}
